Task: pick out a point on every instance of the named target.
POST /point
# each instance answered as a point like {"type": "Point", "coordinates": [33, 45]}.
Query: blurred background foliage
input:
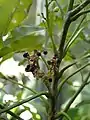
{"type": "Point", "coordinates": [22, 28]}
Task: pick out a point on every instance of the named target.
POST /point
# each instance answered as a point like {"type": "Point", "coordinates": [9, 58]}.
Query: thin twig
{"type": "Point", "coordinates": [48, 28]}
{"type": "Point", "coordinates": [45, 62]}
{"type": "Point", "coordinates": [75, 95]}
{"type": "Point", "coordinates": [17, 83]}
{"type": "Point", "coordinates": [63, 35]}
{"type": "Point", "coordinates": [65, 80]}
{"type": "Point", "coordinates": [70, 65]}
{"type": "Point", "coordinates": [73, 34]}
{"type": "Point", "coordinates": [64, 115]}
{"type": "Point", "coordinates": [22, 102]}
{"type": "Point", "coordinates": [61, 10]}
{"type": "Point", "coordinates": [70, 7]}
{"type": "Point", "coordinates": [25, 87]}
{"type": "Point", "coordinates": [67, 24]}
{"type": "Point", "coordinates": [80, 7]}
{"type": "Point", "coordinates": [65, 29]}
{"type": "Point", "coordinates": [79, 14]}
{"type": "Point", "coordinates": [11, 113]}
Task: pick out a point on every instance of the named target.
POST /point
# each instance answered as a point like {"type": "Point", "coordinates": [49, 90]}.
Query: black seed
{"type": "Point", "coordinates": [27, 69]}
{"type": "Point", "coordinates": [25, 55]}
{"type": "Point", "coordinates": [45, 52]}
{"type": "Point", "coordinates": [38, 53]}
{"type": "Point", "coordinates": [50, 79]}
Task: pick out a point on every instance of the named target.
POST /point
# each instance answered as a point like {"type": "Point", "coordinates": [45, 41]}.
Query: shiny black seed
{"type": "Point", "coordinates": [25, 55]}
{"type": "Point", "coordinates": [38, 53]}
{"type": "Point", "coordinates": [27, 69]}
{"type": "Point", "coordinates": [45, 52]}
{"type": "Point", "coordinates": [50, 79]}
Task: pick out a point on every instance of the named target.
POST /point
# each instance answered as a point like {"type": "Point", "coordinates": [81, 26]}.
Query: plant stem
{"type": "Point", "coordinates": [65, 80]}
{"type": "Point", "coordinates": [14, 82]}
{"type": "Point", "coordinates": [76, 94]}
{"type": "Point", "coordinates": [61, 10]}
{"type": "Point", "coordinates": [68, 22]}
{"type": "Point", "coordinates": [22, 102]}
{"type": "Point", "coordinates": [70, 7]}
{"type": "Point", "coordinates": [11, 113]}
{"type": "Point", "coordinates": [79, 14]}
{"type": "Point", "coordinates": [53, 98]}
{"type": "Point", "coordinates": [63, 35]}
{"type": "Point", "coordinates": [45, 62]}
{"type": "Point", "coordinates": [52, 92]}
{"type": "Point", "coordinates": [80, 7]}
{"type": "Point", "coordinates": [65, 30]}
{"type": "Point", "coordinates": [73, 34]}
{"type": "Point", "coordinates": [48, 28]}
{"type": "Point", "coordinates": [25, 87]}
{"type": "Point", "coordinates": [62, 113]}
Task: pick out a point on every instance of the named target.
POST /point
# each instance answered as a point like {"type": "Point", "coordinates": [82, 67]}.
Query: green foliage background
{"type": "Point", "coordinates": [15, 22]}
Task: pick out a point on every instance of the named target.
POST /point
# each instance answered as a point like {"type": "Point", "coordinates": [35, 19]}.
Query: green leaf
{"type": "Point", "coordinates": [25, 30]}
{"type": "Point", "coordinates": [4, 51]}
{"type": "Point", "coordinates": [6, 7]}
{"type": "Point", "coordinates": [7, 56]}
{"type": "Point", "coordinates": [1, 43]}
{"type": "Point", "coordinates": [74, 38]}
{"type": "Point", "coordinates": [73, 113]}
{"type": "Point", "coordinates": [84, 102]}
{"type": "Point", "coordinates": [74, 35]}
{"type": "Point", "coordinates": [12, 13]}
{"type": "Point", "coordinates": [20, 13]}
{"type": "Point", "coordinates": [29, 43]}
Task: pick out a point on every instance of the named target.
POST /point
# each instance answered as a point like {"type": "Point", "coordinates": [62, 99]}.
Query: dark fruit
{"type": "Point", "coordinates": [27, 69]}
{"type": "Point", "coordinates": [25, 55]}
{"type": "Point", "coordinates": [45, 52]}
{"type": "Point", "coordinates": [50, 79]}
{"type": "Point", "coordinates": [38, 53]}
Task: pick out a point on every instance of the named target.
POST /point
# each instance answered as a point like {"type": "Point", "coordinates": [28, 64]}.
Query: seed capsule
{"type": "Point", "coordinates": [45, 52]}
{"type": "Point", "coordinates": [26, 55]}
{"type": "Point", "coordinates": [38, 53]}
{"type": "Point", "coordinates": [50, 79]}
{"type": "Point", "coordinates": [27, 69]}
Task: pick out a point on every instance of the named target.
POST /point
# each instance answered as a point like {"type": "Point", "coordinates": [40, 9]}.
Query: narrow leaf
{"type": "Point", "coordinates": [84, 102]}
{"type": "Point", "coordinates": [74, 38]}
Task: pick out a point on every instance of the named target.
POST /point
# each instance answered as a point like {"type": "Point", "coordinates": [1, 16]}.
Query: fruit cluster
{"type": "Point", "coordinates": [32, 62]}
{"type": "Point", "coordinates": [34, 67]}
